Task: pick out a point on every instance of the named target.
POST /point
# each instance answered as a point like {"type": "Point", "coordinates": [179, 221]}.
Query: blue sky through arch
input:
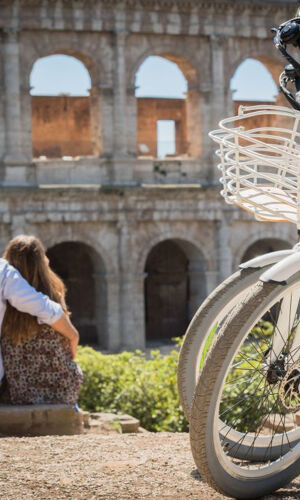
{"type": "Point", "coordinates": [59, 74]}
{"type": "Point", "coordinates": [253, 82]}
{"type": "Point", "coordinates": [156, 77]}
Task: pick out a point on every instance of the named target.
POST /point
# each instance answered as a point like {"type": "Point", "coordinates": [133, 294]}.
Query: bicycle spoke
{"type": "Point", "coordinates": [262, 384]}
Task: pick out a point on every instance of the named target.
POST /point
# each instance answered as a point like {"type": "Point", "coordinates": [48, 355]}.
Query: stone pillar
{"type": "Point", "coordinates": [2, 122]}
{"type": "Point", "coordinates": [207, 145]}
{"type": "Point", "coordinates": [113, 338]}
{"type": "Point", "coordinates": [218, 96]}
{"type": "Point", "coordinates": [106, 120]}
{"type": "Point", "coordinates": [132, 310]}
{"type": "Point", "coordinates": [96, 118]}
{"type": "Point", "coordinates": [26, 120]}
{"type": "Point", "coordinates": [197, 290]}
{"type": "Point", "coordinates": [139, 335]}
{"type": "Point", "coordinates": [132, 122]}
{"type": "Point", "coordinates": [14, 151]}
{"type": "Point", "coordinates": [218, 104]}
{"type": "Point", "coordinates": [123, 167]}
{"type": "Point", "coordinates": [211, 280]}
{"type": "Point", "coordinates": [224, 253]}
{"type": "Point", "coordinates": [131, 293]}
{"type": "Point", "coordinates": [194, 122]}
{"type": "Point", "coordinates": [120, 118]}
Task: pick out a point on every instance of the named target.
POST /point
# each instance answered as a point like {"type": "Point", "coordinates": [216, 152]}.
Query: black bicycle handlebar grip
{"type": "Point", "coordinates": [290, 33]}
{"type": "Point", "coordinates": [297, 83]}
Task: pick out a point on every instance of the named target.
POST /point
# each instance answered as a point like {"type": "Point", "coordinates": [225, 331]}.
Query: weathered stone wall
{"type": "Point", "coordinates": [119, 227]}
{"type": "Point", "coordinates": [115, 207]}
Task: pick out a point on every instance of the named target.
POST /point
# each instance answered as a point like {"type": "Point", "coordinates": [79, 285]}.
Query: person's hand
{"type": "Point", "coordinates": [73, 346]}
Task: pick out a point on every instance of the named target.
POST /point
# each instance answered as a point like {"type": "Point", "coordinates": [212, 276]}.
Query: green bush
{"type": "Point", "coordinates": [129, 383]}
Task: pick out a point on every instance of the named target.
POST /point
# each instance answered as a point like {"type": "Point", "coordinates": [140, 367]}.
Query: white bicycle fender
{"type": "Point", "coordinates": [267, 259]}
{"type": "Point", "coordinates": [283, 270]}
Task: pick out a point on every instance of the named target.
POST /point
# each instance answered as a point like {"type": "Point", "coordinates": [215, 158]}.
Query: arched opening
{"type": "Point", "coordinates": [161, 90]}
{"type": "Point", "coordinates": [263, 246]}
{"type": "Point", "coordinates": [255, 81]}
{"type": "Point", "coordinates": [61, 108]}
{"type": "Point", "coordinates": [175, 286]}
{"type": "Point", "coordinates": [83, 273]}
{"type": "Point", "coordinates": [252, 81]}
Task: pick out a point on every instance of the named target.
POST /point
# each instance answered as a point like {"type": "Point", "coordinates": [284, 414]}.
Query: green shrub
{"type": "Point", "coordinates": [128, 383]}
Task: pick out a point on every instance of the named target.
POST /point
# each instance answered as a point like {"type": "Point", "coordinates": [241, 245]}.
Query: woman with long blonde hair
{"type": "Point", "coordinates": [37, 360]}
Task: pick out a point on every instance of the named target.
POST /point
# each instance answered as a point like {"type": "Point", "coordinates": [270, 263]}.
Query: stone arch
{"type": "Point", "coordinates": [51, 239]}
{"type": "Point", "coordinates": [175, 285]}
{"type": "Point", "coordinates": [254, 50]}
{"type": "Point", "coordinates": [169, 234]}
{"type": "Point", "coordinates": [48, 48]}
{"type": "Point", "coordinates": [265, 245]}
{"type": "Point", "coordinates": [284, 238]}
{"type": "Point", "coordinates": [83, 271]}
{"type": "Point", "coordinates": [185, 114]}
{"type": "Point", "coordinates": [188, 68]}
{"type": "Point", "coordinates": [64, 125]}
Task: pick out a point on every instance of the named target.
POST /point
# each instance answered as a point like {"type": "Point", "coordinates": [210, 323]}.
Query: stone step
{"type": "Point", "coordinates": [40, 420]}
{"type": "Point", "coordinates": [104, 421]}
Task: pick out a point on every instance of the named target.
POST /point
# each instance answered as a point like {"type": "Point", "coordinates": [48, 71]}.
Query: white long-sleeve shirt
{"type": "Point", "coordinates": [16, 290]}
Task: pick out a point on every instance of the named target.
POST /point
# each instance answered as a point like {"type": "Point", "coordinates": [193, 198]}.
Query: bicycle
{"type": "Point", "coordinates": [243, 420]}
{"type": "Point", "coordinates": [206, 321]}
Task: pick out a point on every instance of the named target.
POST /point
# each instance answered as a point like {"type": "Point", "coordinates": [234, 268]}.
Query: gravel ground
{"type": "Point", "coordinates": [112, 466]}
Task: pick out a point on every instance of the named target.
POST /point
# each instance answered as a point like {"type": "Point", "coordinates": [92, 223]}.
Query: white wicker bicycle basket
{"type": "Point", "coordinates": [260, 165]}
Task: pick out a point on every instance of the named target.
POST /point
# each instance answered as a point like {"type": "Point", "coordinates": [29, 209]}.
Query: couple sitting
{"type": "Point", "coordinates": [38, 340]}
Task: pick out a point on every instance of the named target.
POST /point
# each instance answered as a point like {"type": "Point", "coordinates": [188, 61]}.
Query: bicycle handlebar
{"type": "Point", "coordinates": [289, 33]}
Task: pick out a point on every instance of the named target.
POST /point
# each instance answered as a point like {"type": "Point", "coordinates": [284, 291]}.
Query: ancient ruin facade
{"type": "Point", "coordinates": [140, 241]}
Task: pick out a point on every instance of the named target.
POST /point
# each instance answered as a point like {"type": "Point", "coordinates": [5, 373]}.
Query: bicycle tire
{"type": "Point", "coordinates": [212, 463]}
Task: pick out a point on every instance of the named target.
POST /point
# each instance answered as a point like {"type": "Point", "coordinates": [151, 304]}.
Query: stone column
{"type": "Point", "coordinates": [14, 152]}
{"type": "Point", "coordinates": [113, 338]}
{"type": "Point", "coordinates": [211, 280]}
{"type": "Point", "coordinates": [132, 123]}
{"type": "Point", "coordinates": [131, 293]}
{"type": "Point", "coordinates": [95, 114]}
{"type": "Point", "coordinates": [2, 126]}
{"type": "Point", "coordinates": [120, 118]}
{"type": "Point", "coordinates": [218, 104]}
{"type": "Point", "coordinates": [106, 120]}
{"type": "Point", "coordinates": [207, 145]}
{"type": "Point", "coordinates": [219, 96]}
{"type": "Point", "coordinates": [139, 335]}
{"type": "Point", "coordinates": [197, 290]}
{"type": "Point", "coordinates": [223, 245]}
{"type": "Point", "coordinates": [194, 122]}
{"type": "Point", "coordinates": [123, 167]}
{"type": "Point", "coordinates": [132, 310]}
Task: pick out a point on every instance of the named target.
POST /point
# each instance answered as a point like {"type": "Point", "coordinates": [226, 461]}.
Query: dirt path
{"type": "Point", "coordinates": [128, 466]}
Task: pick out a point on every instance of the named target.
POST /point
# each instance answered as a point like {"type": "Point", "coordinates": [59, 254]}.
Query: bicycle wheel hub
{"type": "Point", "coordinates": [289, 391]}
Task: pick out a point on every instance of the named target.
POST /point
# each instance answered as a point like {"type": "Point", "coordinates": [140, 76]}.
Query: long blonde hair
{"type": "Point", "coordinates": [27, 254]}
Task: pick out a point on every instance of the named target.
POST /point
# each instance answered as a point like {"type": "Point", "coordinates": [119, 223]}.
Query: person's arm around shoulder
{"type": "Point", "coordinates": [25, 298]}
{"type": "Point", "coordinates": [64, 326]}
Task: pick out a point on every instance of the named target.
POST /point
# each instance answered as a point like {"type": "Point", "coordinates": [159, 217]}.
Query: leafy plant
{"type": "Point", "coordinates": [129, 383]}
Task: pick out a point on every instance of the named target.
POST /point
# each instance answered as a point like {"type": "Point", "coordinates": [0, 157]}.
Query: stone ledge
{"type": "Point", "coordinates": [99, 422]}
{"type": "Point", "coordinates": [40, 420]}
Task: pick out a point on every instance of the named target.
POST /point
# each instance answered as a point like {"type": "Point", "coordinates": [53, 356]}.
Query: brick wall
{"type": "Point", "coordinates": [61, 126]}
{"type": "Point", "coordinates": [149, 111]}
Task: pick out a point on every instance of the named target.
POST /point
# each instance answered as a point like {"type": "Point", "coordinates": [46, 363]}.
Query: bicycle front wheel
{"type": "Point", "coordinates": [250, 387]}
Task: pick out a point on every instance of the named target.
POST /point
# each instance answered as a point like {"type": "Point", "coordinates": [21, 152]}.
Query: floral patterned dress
{"type": "Point", "coordinates": [41, 370]}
